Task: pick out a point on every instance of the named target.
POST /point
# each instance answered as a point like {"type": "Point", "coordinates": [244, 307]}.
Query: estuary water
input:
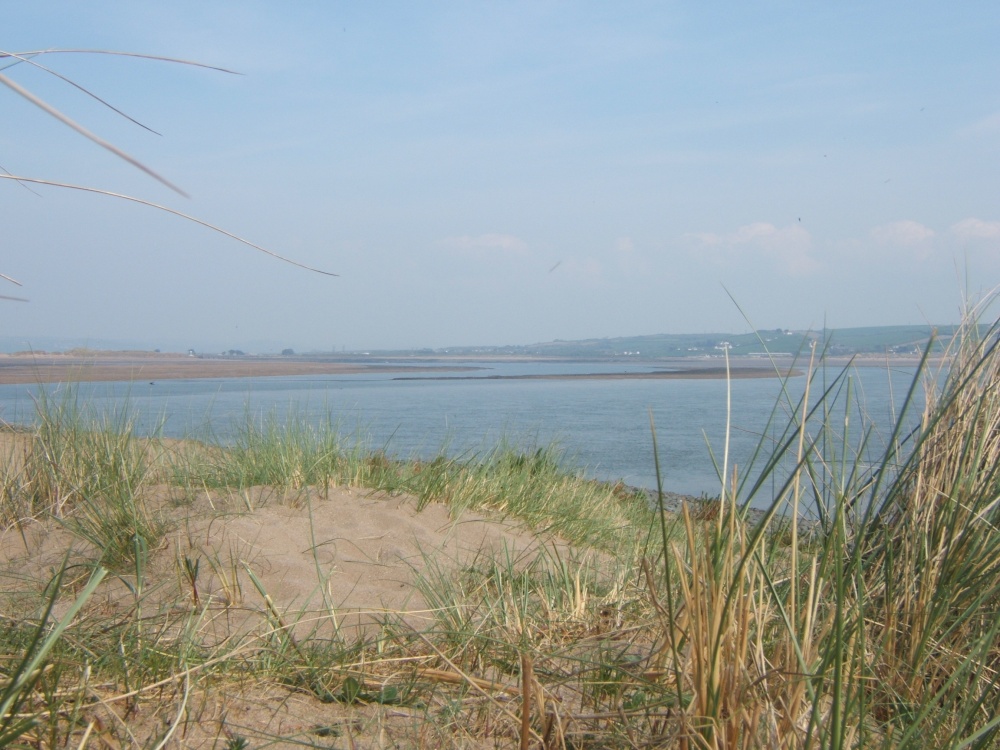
{"type": "Point", "coordinates": [601, 426]}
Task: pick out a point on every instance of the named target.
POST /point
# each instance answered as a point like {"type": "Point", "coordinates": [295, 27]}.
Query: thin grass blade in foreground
{"type": "Point", "coordinates": [53, 112]}
{"type": "Point", "coordinates": [168, 210]}
{"type": "Point", "coordinates": [16, 693]}
{"type": "Point", "coordinates": [25, 58]}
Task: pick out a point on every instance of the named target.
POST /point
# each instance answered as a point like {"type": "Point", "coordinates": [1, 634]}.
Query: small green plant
{"type": "Point", "coordinates": [191, 567]}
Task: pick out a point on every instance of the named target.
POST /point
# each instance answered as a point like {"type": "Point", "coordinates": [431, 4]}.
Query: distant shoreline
{"type": "Point", "coordinates": [136, 366]}
{"type": "Point", "coordinates": [692, 373]}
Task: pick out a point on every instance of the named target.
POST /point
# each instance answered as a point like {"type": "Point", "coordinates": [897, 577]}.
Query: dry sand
{"type": "Point", "coordinates": [350, 552]}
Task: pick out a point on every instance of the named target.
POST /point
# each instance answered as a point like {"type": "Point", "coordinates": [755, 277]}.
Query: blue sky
{"type": "Point", "coordinates": [502, 173]}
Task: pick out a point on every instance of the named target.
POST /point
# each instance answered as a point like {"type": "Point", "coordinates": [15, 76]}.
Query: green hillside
{"type": "Point", "coordinates": [839, 341]}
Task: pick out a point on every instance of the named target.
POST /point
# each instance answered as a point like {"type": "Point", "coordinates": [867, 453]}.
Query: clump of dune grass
{"type": "Point", "coordinates": [879, 629]}
{"type": "Point", "coordinates": [289, 454]}
{"type": "Point", "coordinates": [87, 470]}
{"type": "Point", "coordinates": [531, 485]}
{"type": "Point", "coordinates": [534, 487]}
{"type": "Point", "coordinates": [928, 547]}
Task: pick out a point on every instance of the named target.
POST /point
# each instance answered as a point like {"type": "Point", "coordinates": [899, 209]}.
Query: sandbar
{"type": "Point", "coordinates": [150, 366]}
{"type": "Point", "coordinates": [138, 366]}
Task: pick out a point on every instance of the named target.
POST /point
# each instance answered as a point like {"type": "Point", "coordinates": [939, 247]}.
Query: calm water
{"type": "Point", "coordinates": [603, 426]}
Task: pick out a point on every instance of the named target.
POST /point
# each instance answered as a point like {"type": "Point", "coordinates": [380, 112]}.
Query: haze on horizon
{"type": "Point", "coordinates": [503, 174]}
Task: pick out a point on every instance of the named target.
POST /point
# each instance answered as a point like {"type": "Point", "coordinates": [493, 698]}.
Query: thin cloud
{"type": "Point", "coordinates": [787, 249]}
{"type": "Point", "coordinates": [588, 271]}
{"type": "Point", "coordinates": [489, 245]}
{"type": "Point", "coordinates": [628, 260]}
{"type": "Point", "coordinates": [983, 126]}
{"type": "Point", "coordinates": [976, 229]}
{"type": "Point", "coordinates": [906, 233]}
{"type": "Point", "coordinates": [624, 246]}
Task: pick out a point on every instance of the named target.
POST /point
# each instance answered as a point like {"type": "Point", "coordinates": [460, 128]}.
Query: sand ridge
{"type": "Point", "coordinates": [332, 564]}
{"type": "Point", "coordinates": [347, 557]}
{"type": "Point", "coordinates": [351, 550]}
{"type": "Point", "coordinates": [30, 368]}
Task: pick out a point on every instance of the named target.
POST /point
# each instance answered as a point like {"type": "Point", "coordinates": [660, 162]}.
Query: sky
{"type": "Point", "coordinates": [498, 173]}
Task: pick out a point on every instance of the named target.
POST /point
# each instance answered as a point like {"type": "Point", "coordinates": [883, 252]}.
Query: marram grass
{"type": "Point", "coordinates": [877, 625]}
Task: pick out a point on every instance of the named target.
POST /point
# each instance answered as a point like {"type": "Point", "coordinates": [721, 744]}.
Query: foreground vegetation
{"type": "Point", "coordinates": [875, 624]}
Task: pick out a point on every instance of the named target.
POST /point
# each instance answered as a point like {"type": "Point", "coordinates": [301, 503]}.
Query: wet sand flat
{"type": "Point", "coordinates": [137, 366]}
{"type": "Point", "coordinates": [119, 366]}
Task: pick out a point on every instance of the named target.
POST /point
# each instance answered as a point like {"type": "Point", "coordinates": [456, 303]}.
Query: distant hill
{"type": "Point", "coordinates": [838, 341]}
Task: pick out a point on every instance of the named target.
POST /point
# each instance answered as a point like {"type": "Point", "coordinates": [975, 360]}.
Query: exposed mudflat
{"type": "Point", "coordinates": [149, 366]}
